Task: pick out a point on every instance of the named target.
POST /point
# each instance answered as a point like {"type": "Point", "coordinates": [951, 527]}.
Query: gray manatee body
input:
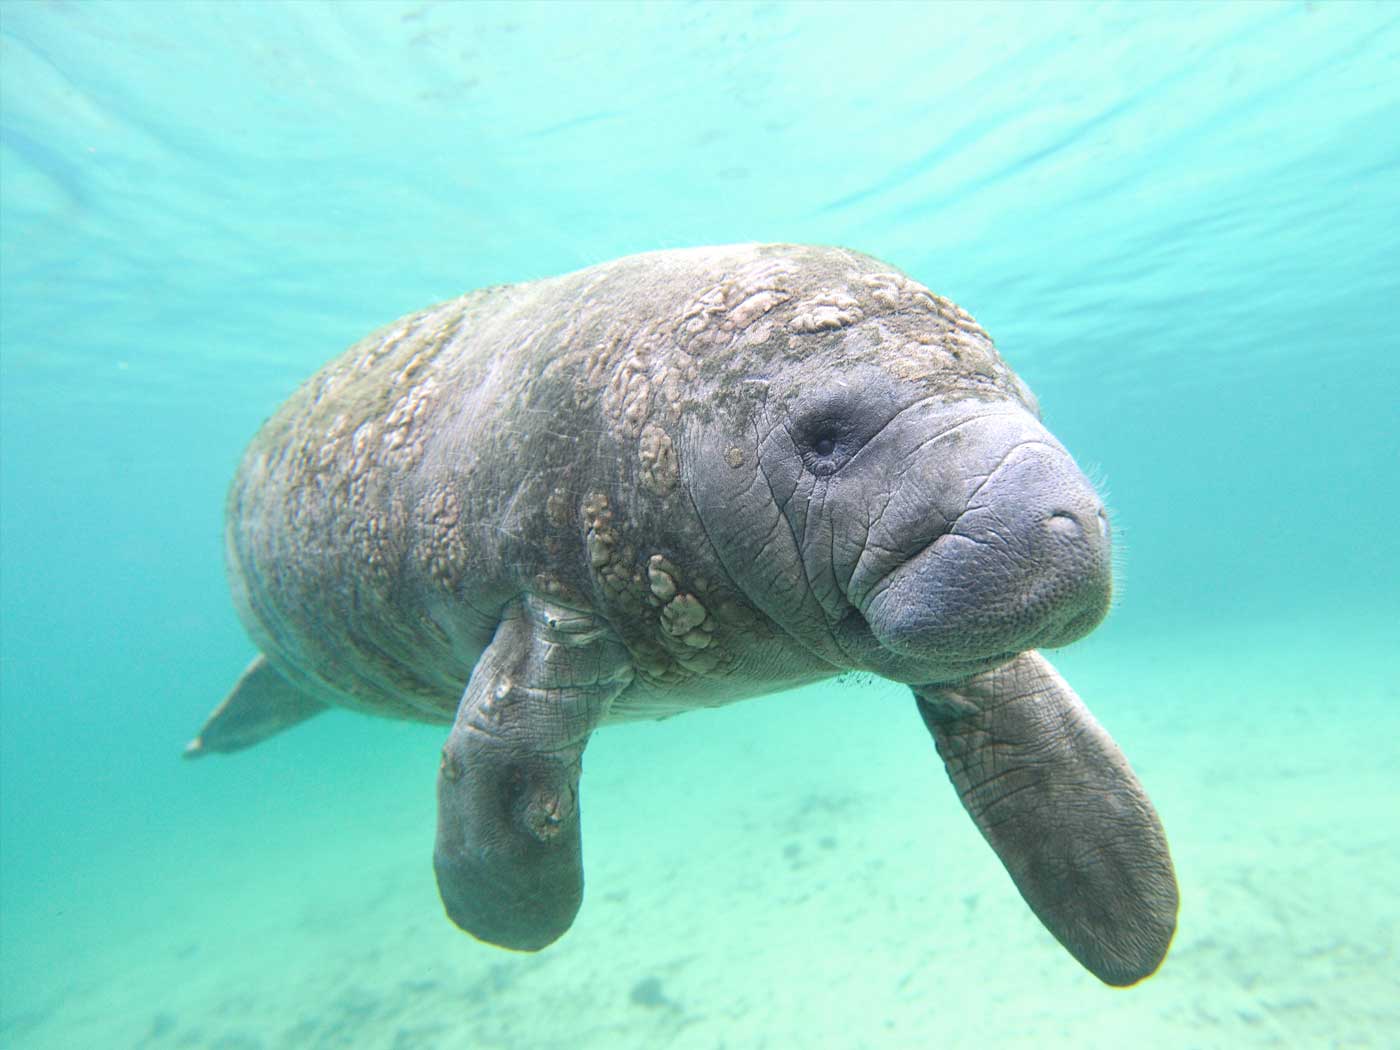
{"type": "Point", "coordinates": [678, 480]}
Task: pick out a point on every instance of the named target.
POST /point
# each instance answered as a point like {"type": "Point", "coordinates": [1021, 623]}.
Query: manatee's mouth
{"type": "Point", "coordinates": [1075, 628]}
{"type": "Point", "coordinates": [955, 668]}
{"type": "Point", "coordinates": [974, 609]}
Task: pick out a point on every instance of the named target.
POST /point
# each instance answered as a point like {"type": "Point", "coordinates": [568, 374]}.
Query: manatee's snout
{"type": "Point", "coordinates": [1025, 563]}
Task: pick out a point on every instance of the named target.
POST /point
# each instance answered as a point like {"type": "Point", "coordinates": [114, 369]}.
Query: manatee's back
{"type": "Point", "coordinates": [381, 519]}
{"type": "Point", "coordinates": [320, 542]}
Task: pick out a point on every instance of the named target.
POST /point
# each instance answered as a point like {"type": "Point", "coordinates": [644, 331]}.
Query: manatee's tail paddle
{"type": "Point", "coordinates": [260, 704]}
{"type": "Point", "coordinates": [1054, 796]}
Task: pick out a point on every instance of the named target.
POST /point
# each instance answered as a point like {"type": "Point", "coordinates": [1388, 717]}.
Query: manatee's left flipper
{"type": "Point", "coordinates": [509, 856]}
{"type": "Point", "coordinates": [260, 704]}
{"type": "Point", "coordinates": [1056, 799]}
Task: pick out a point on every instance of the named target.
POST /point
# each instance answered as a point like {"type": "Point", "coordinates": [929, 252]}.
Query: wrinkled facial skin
{"type": "Point", "coordinates": [922, 533]}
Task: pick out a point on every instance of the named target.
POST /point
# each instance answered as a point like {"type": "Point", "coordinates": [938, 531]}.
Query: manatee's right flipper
{"type": "Point", "coordinates": [260, 704]}
{"type": "Point", "coordinates": [1054, 796]}
{"type": "Point", "coordinates": [509, 858]}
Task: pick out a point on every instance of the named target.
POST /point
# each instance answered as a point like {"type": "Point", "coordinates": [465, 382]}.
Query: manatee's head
{"type": "Point", "coordinates": [879, 483]}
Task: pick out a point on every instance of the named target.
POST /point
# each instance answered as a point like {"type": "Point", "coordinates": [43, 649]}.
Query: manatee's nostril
{"type": "Point", "coordinates": [1103, 523]}
{"type": "Point", "coordinates": [1063, 523]}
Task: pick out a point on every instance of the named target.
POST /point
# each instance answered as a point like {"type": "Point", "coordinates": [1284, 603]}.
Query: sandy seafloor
{"type": "Point", "coordinates": [792, 872]}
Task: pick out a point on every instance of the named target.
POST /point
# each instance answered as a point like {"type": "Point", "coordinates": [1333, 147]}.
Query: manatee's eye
{"type": "Point", "coordinates": [830, 420]}
{"type": "Point", "coordinates": [825, 444]}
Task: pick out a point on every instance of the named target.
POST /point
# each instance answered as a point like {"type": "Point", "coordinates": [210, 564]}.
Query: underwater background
{"type": "Point", "coordinates": [1180, 223]}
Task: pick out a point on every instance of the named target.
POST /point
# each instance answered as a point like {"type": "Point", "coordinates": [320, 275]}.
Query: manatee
{"type": "Point", "coordinates": [674, 481]}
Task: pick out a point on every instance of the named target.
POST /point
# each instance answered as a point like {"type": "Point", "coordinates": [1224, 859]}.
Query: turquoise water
{"type": "Point", "coordinates": [1178, 222]}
